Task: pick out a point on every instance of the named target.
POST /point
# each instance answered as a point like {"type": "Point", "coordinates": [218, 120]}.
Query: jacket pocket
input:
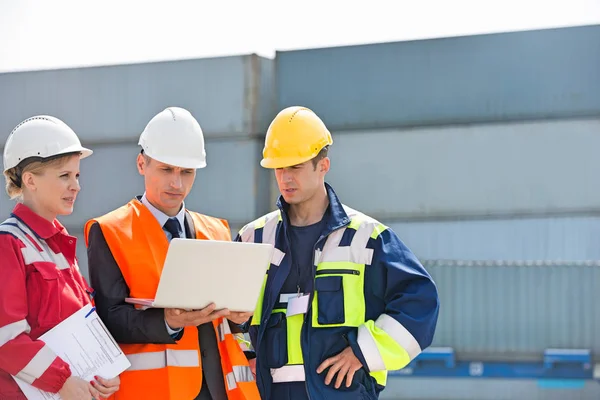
{"type": "Point", "coordinates": [276, 341]}
{"type": "Point", "coordinates": [330, 299]}
{"type": "Point", "coordinates": [44, 286]}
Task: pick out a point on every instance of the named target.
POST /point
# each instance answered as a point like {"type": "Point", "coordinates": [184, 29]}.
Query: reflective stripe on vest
{"type": "Point", "coordinates": [288, 373]}
{"type": "Point", "coordinates": [162, 359]}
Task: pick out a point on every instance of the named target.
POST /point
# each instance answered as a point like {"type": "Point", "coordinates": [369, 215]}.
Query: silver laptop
{"type": "Point", "coordinates": [199, 272]}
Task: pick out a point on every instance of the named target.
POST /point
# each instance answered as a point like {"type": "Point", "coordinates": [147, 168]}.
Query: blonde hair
{"type": "Point", "coordinates": [13, 176]}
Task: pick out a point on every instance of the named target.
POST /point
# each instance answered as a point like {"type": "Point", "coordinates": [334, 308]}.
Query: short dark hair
{"type": "Point", "coordinates": [322, 154]}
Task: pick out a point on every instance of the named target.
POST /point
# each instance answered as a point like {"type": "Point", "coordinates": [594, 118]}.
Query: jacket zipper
{"type": "Point", "coordinates": [338, 271]}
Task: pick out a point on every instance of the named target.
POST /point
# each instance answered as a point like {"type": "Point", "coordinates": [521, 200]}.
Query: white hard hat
{"type": "Point", "coordinates": [174, 137]}
{"type": "Point", "coordinates": [41, 137]}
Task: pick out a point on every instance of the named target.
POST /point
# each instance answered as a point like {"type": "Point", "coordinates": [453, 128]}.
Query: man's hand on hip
{"type": "Point", "coordinates": [178, 318]}
{"type": "Point", "coordinates": [344, 364]}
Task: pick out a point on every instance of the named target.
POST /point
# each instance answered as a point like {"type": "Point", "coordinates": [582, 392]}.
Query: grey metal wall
{"type": "Point", "coordinates": [504, 169]}
{"type": "Point", "coordinates": [515, 310]}
{"type": "Point", "coordinates": [498, 77]}
{"type": "Point", "coordinates": [550, 238]}
{"type": "Point", "coordinates": [228, 95]}
{"type": "Point", "coordinates": [232, 98]}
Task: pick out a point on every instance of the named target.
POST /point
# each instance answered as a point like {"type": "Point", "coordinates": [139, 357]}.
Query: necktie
{"type": "Point", "coordinates": [172, 226]}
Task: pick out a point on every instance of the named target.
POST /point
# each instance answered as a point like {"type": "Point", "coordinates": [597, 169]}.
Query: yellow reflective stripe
{"type": "Point", "coordinates": [245, 345]}
{"type": "Point", "coordinates": [380, 377]}
{"type": "Point", "coordinates": [259, 304]}
{"type": "Point", "coordinates": [294, 347]}
{"type": "Point", "coordinates": [260, 223]}
{"type": "Point", "coordinates": [400, 334]}
{"type": "Point", "coordinates": [378, 230]}
{"type": "Point", "coordinates": [355, 222]}
{"type": "Point", "coordinates": [380, 350]}
{"type": "Point", "coordinates": [352, 291]}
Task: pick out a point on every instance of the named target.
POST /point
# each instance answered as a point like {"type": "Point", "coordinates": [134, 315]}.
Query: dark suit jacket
{"type": "Point", "coordinates": [129, 325]}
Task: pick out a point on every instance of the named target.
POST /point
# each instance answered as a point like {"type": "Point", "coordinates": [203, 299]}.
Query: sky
{"type": "Point", "coordinates": [42, 34]}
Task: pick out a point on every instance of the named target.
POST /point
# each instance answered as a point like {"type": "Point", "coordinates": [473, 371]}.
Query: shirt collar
{"type": "Point", "coordinates": [38, 224]}
{"type": "Point", "coordinates": [160, 216]}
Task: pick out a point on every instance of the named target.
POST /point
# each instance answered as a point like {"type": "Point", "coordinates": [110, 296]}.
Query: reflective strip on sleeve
{"type": "Point", "coordinates": [367, 345]}
{"type": "Point", "coordinates": [386, 344]}
{"type": "Point", "coordinates": [11, 331]}
{"type": "Point", "coordinates": [38, 365]}
{"type": "Point", "coordinates": [288, 373]}
{"type": "Point", "coordinates": [400, 334]}
{"type": "Point", "coordinates": [162, 359]}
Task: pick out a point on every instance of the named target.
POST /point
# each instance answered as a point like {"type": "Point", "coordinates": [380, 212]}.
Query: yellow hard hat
{"type": "Point", "coordinates": [296, 135]}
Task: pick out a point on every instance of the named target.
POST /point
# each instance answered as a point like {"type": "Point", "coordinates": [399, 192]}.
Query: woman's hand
{"type": "Point", "coordinates": [106, 387]}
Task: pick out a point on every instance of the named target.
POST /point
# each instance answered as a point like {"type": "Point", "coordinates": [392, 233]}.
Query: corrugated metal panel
{"type": "Point", "coordinates": [497, 77]}
{"type": "Point", "coordinates": [517, 309]}
{"type": "Point", "coordinates": [116, 102]}
{"type": "Point", "coordinates": [561, 238]}
{"type": "Point", "coordinates": [471, 170]}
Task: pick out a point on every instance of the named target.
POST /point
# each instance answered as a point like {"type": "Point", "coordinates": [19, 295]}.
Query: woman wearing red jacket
{"type": "Point", "coordinates": [40, 283]}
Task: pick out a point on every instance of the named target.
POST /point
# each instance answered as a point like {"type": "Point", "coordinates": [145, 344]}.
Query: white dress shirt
{"type": "Point", "coordinates": [162, 218]}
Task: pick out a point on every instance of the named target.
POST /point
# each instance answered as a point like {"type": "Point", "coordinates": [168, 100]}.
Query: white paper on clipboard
{"type": "Point", "coordinates": [83, 341]}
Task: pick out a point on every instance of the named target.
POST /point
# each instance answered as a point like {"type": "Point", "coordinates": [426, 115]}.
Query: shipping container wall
{"type": "Point", "coordinates": [470, 170]}
{"type": "Point", "coordinates": [114, 103]}
{"type": "Point", "coordinates": [511, 310]}
{"type": "Point", "coordinates": [558, 238]}
{"type": "Point", "coordinates": [548, 73]}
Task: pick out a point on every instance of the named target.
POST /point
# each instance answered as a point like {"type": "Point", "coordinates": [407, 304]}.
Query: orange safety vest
{"type": "Point", "coordinates": [167, 371]}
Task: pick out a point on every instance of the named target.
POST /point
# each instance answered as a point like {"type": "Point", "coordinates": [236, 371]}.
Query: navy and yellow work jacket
{"type": "Point", "coordinates": [370, 293]}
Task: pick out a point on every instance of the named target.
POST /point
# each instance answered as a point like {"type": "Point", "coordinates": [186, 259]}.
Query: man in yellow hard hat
{"type": "Point", "coordinates": [344, 300]}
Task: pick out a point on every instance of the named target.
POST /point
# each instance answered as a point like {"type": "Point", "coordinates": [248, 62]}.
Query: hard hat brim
{"type": "Point", "coordinates": [284, 162]}
{"type": "Point", "coordinates": [179, 162]}
{"type": "Point", "coordinates": [85, 152]}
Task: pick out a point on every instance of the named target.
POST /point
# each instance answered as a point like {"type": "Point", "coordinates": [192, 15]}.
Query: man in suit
{"type": "Point", "coordinates": [175, 354]}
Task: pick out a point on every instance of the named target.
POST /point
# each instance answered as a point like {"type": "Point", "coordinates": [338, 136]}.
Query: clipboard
{"type": "Point", "coordinates": [84, 342]}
